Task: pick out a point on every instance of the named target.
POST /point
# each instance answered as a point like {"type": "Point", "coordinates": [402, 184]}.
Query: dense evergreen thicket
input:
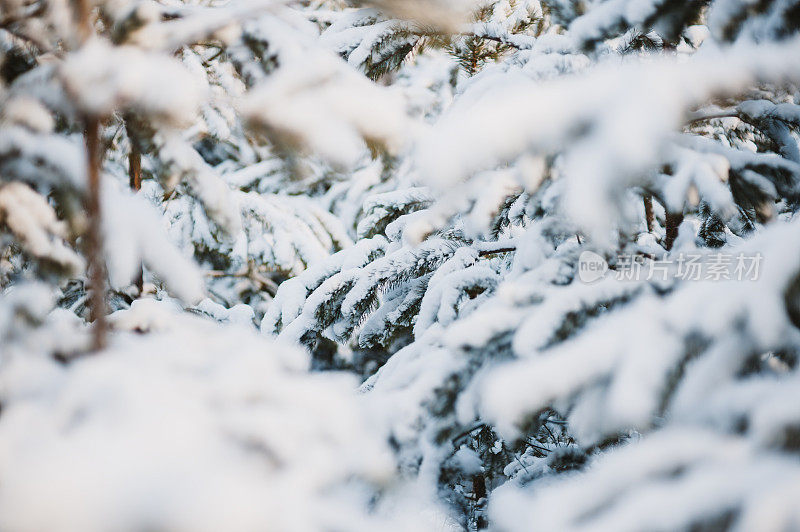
{"type": "Point", "coordinates": [399, 265]}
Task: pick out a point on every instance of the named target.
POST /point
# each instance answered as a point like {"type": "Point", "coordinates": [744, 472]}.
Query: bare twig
{"type": "Point", "coordinates": [539, 447]}
{"type": "Point", "coordinates": [550, 432]}
{"type": "Point", "coordinates": [487, 252]}
{"type": "Point", "coordinates": [648, 212]}
{"type": "Point", "coordinates": [469, 431]}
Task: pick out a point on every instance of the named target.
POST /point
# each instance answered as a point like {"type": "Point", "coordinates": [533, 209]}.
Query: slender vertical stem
{"type": "Point", "coordinates": [673, 221]}
{"type": "Point", "coordinates": [648, 212]}
{"type": "Point", "coordinates": [94, 237]}
{"type": "Point", "coordinates": [83, 14]}
{"type": "Point", "coordinates": [479, 492]}
{"type": "Point", "coordinates": [134, 166]}
{"type": "Point", "coordinates": [94, 234]}
{"type": "Point", "coordinates": [135, 180]}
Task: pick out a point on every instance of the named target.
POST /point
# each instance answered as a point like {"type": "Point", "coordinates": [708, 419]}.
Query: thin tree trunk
{"type": "Point", "coordinates": [135, 166]}
{"type": "Point", "coordinates": [479, 492]}
{"type": "Point", "coordinates": [135, 179]}
{"type": "Point", "coordinates": [673, 221]}
{"type": "Point", "coordinates": [94, 238]}
{"type": "Point", "coordinates": [648, 212]}
{"type": "Point", "coordinates": [94, 234]}
{"type": "Point", "coordinates": [83, 13]}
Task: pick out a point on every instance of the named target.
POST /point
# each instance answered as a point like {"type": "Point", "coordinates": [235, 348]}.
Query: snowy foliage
{"type": "Point", "coordinates": [399, 264]}
{"type": "Point", "coordinates": [172, 431]}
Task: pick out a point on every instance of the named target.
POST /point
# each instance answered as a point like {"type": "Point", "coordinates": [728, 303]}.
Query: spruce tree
{"type": "Point", "coordinates": [514, 265]}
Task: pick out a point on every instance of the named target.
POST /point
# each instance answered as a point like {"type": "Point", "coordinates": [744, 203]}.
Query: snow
{"type": "Point", "coordinates": [102, 79]}
{"type": "Point", "coordinates": [324, 106]}
{"type": "Point", "coordinates": [625, 489]}
{"type": "Point", "coordinates": [174, 430]}
{"type": "Point", "coordinates": [619, 144]}
{"type": "Point", "coordinates": [33, 221]}
{"type": "Point", "coordinates": [134, 236]}
{"type": "Point", "coordinates": [403, 195]}
{"type": "Point", "coordinates": [633, 382]}
{"type": "Point", "coordinates": [60, 160]}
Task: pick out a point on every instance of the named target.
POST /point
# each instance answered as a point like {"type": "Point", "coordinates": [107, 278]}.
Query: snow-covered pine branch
{"type": "Point", "coordinates": [413, 192]}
